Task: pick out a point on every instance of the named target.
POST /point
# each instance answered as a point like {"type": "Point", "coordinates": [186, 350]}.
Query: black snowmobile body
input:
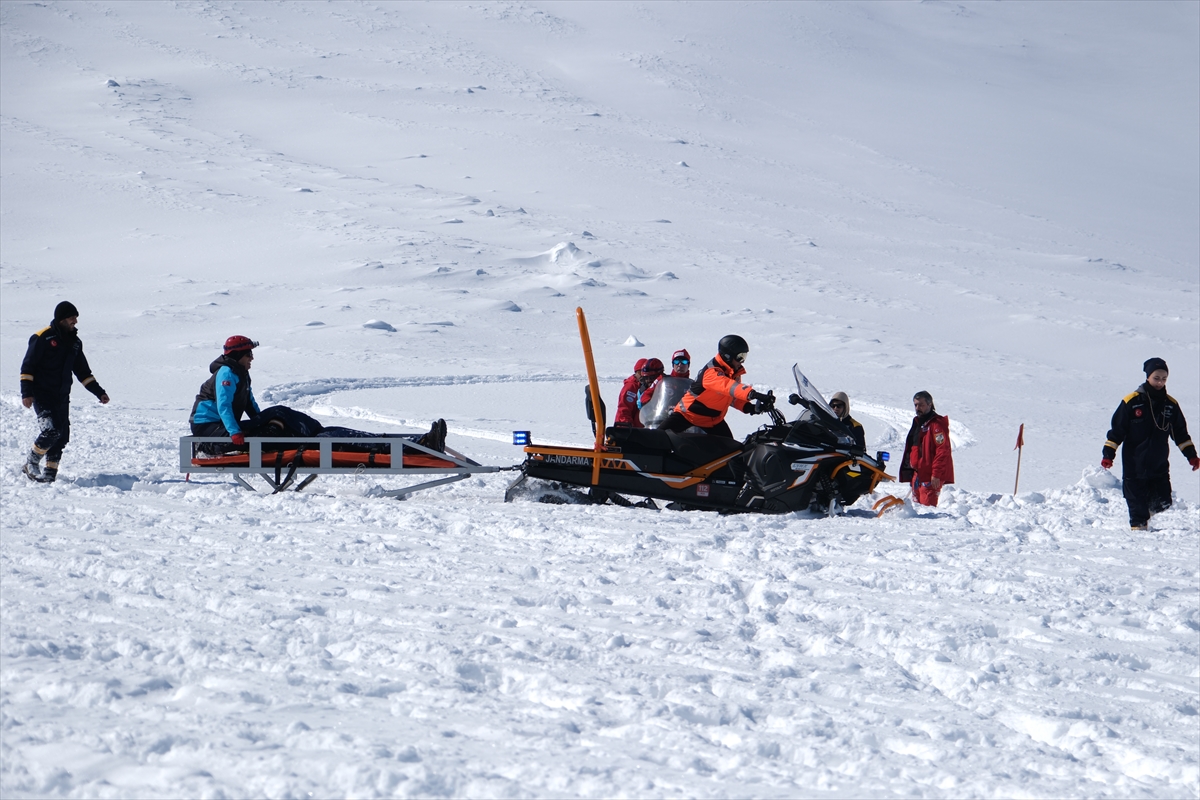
{"type": "Point", "coordinates": [810, 462]}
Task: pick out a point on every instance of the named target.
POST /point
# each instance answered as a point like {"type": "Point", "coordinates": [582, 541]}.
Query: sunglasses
{"type": "Point", "coordinates": [837, 404]}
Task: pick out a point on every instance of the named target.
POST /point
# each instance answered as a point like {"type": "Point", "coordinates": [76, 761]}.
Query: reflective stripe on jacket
{"type": "Point", "coordinates": [928, 455]}
{"type": "Point", "coordinates": [1142, 426]}
{"type": "Point", "coordinates": [716, 388]}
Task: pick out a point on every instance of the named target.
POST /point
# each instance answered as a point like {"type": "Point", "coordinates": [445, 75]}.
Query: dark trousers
{"type": "Point", "coordinates": [678, 422]}
{"type": "Point", "coordinates": [54, 420]}
{"type": "Point", "coordinates": [1146, 496]}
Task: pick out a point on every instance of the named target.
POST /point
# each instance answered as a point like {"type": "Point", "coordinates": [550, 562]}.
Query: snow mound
{"type": "Point", "coordinates": [379, 325]}
{"type": "Point", "coordinates": [632, 341]}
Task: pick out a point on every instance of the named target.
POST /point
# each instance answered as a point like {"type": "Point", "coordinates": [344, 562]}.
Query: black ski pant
{"type": "Point", "coordinates": [54, 421]}
{"type": "Point", "coordinates": [1146, 496]}
{"type": "Point", "coordinates": [679, 423]}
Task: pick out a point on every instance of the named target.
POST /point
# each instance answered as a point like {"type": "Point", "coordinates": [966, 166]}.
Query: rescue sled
{"type": "Point", "coordinates": [279, 460]}
{"type": "Point", "coordinates": [811, 462]}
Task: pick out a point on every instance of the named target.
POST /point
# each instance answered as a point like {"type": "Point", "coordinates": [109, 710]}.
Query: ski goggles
{"type": "Point", "coordinates": [678, 361]}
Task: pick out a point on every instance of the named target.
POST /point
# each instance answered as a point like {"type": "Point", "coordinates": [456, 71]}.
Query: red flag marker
{"type": "Point", "coordinates": [1020, 444]}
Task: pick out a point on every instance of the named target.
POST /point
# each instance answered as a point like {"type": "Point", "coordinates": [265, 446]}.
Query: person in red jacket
{"type": "Point", "coordinates": [627, 403]}
{"type": "Point", "coordinates": [927, 462]}
{"type": "Point", "coordinates": [652, 375]}
{"type": "Point", "coordinates": [717, 387]}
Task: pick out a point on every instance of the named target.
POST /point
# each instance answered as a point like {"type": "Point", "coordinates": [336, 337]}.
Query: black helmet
{"type": "Point", "coordinates": [732, 349]}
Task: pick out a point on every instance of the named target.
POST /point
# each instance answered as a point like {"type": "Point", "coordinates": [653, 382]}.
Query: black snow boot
{"type": "Point", "coordinates": [33, 466]}
{"type": "Point", "coordinates": [436, 438]}
{"type": "Point", "coordinates": [50, 473]}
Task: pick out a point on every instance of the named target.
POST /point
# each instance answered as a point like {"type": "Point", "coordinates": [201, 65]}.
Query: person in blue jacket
{"type": "Point", "coordinates": [226, 396]}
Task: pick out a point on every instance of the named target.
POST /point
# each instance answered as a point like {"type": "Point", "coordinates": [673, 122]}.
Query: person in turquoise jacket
{"type": "Point", "coordinates": [226, 396]}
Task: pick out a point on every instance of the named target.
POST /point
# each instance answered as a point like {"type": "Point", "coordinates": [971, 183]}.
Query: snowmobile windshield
{"type": "Point", "coordinates": [810, 398]}
{"type": "Point", "coordinates": [666, 395]}
{"type": "Point", "coordinates": [817, 424]}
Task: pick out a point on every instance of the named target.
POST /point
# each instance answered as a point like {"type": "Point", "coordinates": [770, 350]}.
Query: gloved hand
{"type": "Point", "coordinates": [239, 439]}
{"type": "Point", "coordinates": [1106, 463]}
{"type": "Point", "coordinates": [1195, 462]}
{"type": "Point", "coordinates": [765, 401]}
{"type": "Point", "coordinates": [754, 408]}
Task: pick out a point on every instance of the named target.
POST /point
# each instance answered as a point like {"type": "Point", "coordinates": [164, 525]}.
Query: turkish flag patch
{"type": "Point", "coordinates": [227, 383]}
{"type": "Point", "coordinates": [54, 342]}
{"type": "Point", "coordinates": [1137, 412]}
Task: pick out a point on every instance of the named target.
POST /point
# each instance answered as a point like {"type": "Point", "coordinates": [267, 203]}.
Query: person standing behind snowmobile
{"type": "Point", "coordinates": [840, 403]}
{"type": "Point", "coordinates": [55, 354]}
{"type": "Point", "coordinates": [927, 462]}
{"type": "Point", "coordinates": [226, 395]}
{"type": "Point", "coordinates": [1142, 423]}
{"type": "Point", "coordinates": [627, 416]}
{"type": "Point", "coordinates": [717, 387]}
{"type": "Point", "coordinates": [681, 364]}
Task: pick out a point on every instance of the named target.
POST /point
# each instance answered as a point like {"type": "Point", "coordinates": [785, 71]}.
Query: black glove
{"type": "Point", "coordinates": [765, 401]}
{"type": "Point", "coordinates": [754, 408]}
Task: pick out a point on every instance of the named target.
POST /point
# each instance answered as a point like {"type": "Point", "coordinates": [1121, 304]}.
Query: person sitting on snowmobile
{"type": "Point", "coordinates": [652, 375]}
{"type": "Point", "coordinates": [681, 364]}
{"type": "Point", "coordinates": [627, 400]}
{"type": "Point", "coordinates": [637, 389]}
{"type": "Point", "coordinates": [840, 404]}
{"type": "Point", "coordinates": [718, 386]}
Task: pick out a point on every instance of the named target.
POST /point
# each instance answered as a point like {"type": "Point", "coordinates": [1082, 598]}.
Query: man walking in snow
{"type": "Point", "coordinates": [1142, 424]}
{"type": "Point", "coordinates": [927, 462]}
{"type": "Point", "coordinates": [55, 354]}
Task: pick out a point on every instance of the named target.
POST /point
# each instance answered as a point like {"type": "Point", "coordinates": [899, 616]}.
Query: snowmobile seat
{"type": "Point", "coordinates": [640, 440]}
{"type": "Point", "coordinates": [697, 449]}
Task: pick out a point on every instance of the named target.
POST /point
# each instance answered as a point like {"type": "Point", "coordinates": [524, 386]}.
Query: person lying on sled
{"type": "Point", "coordinates": [226, 397]}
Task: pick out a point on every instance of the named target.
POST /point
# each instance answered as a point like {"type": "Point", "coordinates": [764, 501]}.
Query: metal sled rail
{"type": "Point", "coordinates": [290, 456]}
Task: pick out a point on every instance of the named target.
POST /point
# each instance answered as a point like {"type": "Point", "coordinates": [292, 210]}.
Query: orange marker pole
{"type": "Point", "coordinates": [594, 388]}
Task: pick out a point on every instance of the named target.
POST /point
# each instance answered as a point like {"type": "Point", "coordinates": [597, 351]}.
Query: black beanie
{"type": "Point", "coordinates": [1152, 364]}
{"type": "Point", "coordinates": [64, 310]}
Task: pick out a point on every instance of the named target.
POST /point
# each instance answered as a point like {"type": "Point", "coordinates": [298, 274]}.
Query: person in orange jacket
{"type": "Point", "coordinates": [717, 387]}
{"type": "Point", "coordinates": [927, 462]}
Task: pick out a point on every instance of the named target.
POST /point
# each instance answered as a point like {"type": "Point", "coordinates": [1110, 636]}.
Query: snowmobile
{"type": "Point", "coordinates": [811, 462]}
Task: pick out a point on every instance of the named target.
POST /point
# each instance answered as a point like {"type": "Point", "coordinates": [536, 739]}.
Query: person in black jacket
{"type": "Point", "coordinates": [840, 403]}
{"type": "Point", "coordinates": [55, 354]}
{"type": "Point", "coordinates": [1142, 424]}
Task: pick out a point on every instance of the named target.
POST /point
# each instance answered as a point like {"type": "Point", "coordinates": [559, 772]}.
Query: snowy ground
{"type": "Point", "coordinates": [996, 202]}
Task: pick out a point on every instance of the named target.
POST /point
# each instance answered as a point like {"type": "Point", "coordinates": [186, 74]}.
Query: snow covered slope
{"type": "Point", "coordinates": [406, 202]}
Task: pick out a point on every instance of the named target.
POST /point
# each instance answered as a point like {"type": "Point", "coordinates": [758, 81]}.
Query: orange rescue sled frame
{"type": "Point", "coordinates": [316, 456]}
